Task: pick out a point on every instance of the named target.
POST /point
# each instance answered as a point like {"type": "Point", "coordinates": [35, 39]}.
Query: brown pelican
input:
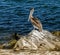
{"type": "Point", "coordinates": [35, 22]}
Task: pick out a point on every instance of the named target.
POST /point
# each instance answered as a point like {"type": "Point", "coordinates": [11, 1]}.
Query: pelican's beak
{"type": "Point", "coordinates": [28, 19]}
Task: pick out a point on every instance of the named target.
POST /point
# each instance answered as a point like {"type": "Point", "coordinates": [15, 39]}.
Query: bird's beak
{"type": "Point", "coordinates": [28, 19]}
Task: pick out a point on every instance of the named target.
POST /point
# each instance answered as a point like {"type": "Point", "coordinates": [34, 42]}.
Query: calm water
{"type": "Point", "coordinates": [14, 15]}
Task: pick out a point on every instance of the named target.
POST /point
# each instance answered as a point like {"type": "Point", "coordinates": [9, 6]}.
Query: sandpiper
{"type": "Point", "coordinates": [35, 21]}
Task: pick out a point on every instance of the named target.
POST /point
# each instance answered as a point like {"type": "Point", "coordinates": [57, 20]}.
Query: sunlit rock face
{"type": "Point", "coordinates": [36, 39]}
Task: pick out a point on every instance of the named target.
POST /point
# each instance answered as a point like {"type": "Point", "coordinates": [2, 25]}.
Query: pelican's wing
{"type": "Point", "coordinates": [37, 20]}
{"type": "Point", "coordinates": [38, 23]}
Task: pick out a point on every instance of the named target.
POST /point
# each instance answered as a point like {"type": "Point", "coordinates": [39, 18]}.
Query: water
{"type": "Point", "coordinates": [14, 15]}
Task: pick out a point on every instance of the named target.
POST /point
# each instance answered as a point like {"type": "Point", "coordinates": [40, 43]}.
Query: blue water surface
{"type": "Point", "coordinates": [14, 15]}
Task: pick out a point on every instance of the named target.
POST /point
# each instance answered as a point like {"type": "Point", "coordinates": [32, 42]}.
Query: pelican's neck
{"type": "Point", "coordinates": [31, 14]}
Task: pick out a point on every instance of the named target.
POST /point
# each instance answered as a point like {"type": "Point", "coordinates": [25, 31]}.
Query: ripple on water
{"type": "Point", "coordinates": [14, 15]}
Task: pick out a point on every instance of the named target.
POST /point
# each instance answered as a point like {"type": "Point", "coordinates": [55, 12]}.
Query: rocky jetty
{"type": "Point", "coordinates": [35, 43]}
{"type": "Point", "coordinates": [39, 40]}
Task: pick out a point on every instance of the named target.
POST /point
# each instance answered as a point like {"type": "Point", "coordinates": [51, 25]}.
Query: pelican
{"type": "Point", "coordinates": [35, 22]}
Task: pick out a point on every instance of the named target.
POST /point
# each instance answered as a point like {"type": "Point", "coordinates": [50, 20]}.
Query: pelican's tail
{"type": "Point", "coordinates": [31, 13]}
{"type": "Point", "coordinates": [41, 28]}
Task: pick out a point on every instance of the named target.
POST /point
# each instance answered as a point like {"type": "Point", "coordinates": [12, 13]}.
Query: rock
{"type": "Point", "coordinates": [56, 33]}
{"type": "Point", "coordinates": [10, 44]}
{"type": "Point", "coordinates": [35, 38]}
{"type": "Point", "coordinates": [11, 52]}
{"type": "Point", "coordinates": [1, 46]}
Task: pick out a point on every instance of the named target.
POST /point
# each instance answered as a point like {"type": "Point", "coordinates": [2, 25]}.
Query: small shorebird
{"type": "Point", "coordinates": [35, 22]}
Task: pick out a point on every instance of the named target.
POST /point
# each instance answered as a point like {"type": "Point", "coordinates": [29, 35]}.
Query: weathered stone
{"type": "Point", "coordinates": [11, 52]}
{"type": "Point", "coordinates": [9, 45]}
{"type": "Point", "coordinates": [35, 38]}
{"type": "Point", "coordinates": [56, 33]}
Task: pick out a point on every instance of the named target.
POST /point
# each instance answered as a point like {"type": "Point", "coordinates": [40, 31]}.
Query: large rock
{"type": "Point", "coordinates": [35, 39]}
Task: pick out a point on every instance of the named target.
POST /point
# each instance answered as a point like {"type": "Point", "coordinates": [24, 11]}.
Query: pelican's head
{"type": "Point", "coordinates": [31, 9]}
{"type": "Point", "coordinates": [31, 13]}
